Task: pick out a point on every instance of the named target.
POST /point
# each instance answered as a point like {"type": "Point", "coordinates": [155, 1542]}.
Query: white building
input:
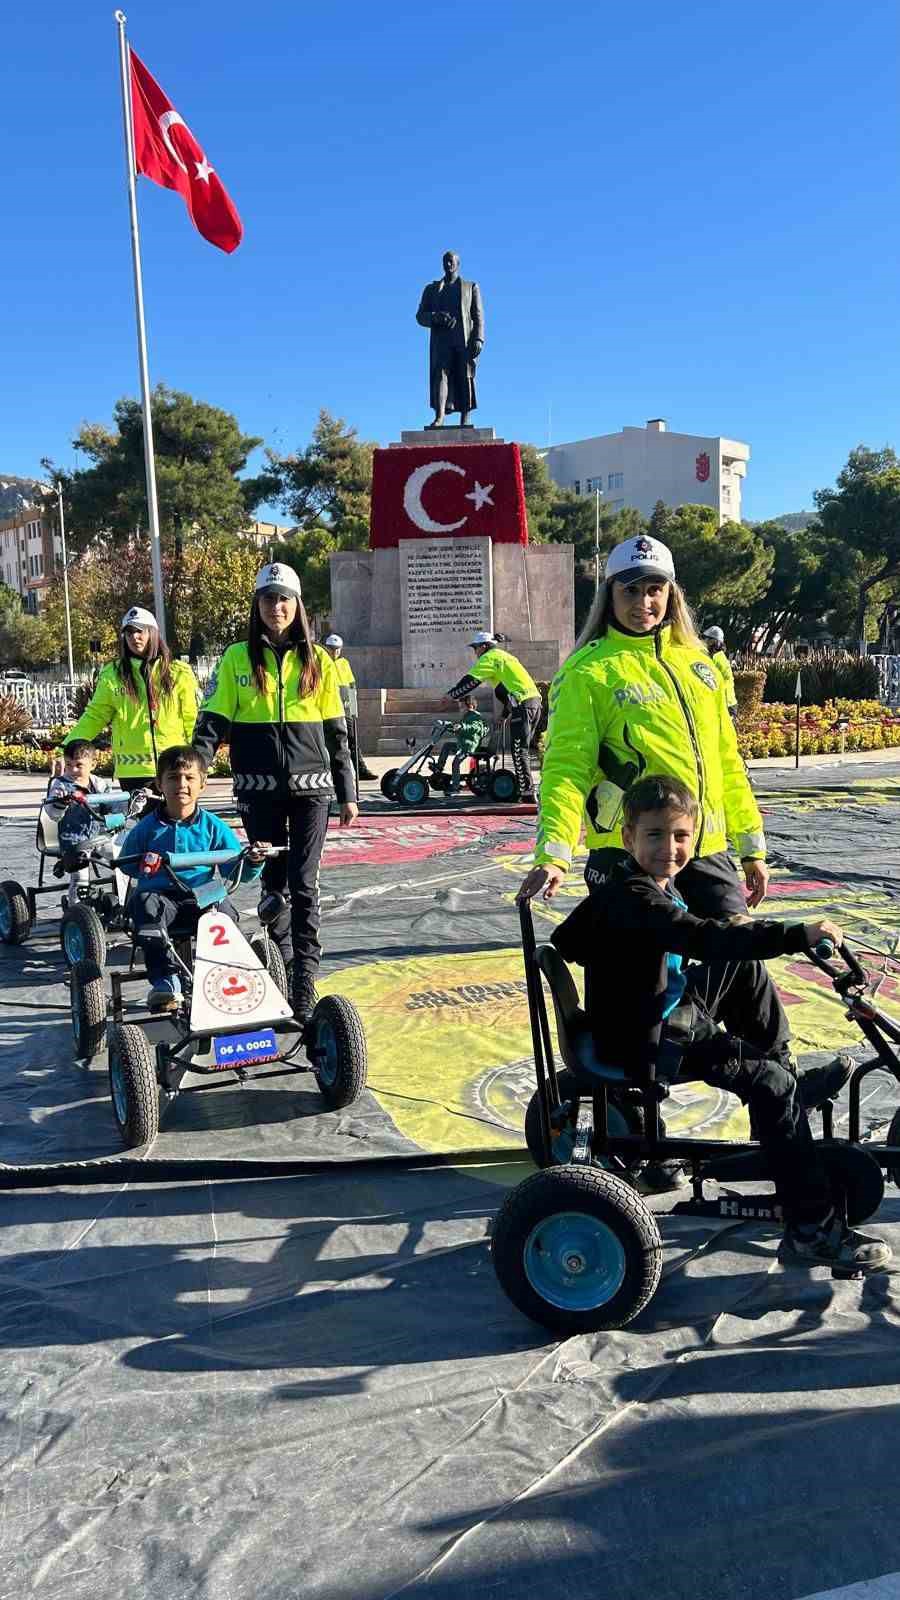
{"type": "Point", "coordinates": [30, 554]}
{"type": "Point", "coordinates": [639, 466]}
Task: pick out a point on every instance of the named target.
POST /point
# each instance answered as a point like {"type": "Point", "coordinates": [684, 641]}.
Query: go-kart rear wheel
{"type": "Point", "coordinates": [386, 783]}
{"type": "Point", "coordinates": [15, 913]}
{"type": "Point", "coordinates": [503, 786]}
{"type": "Point", "coordinates": [412, 790]}
{"type": "Point", "coordinates": [87, 1000]}
{"type": "Point", "coordinates": [576, 1250]}
{"type": "Point", "coordinates": [82, 936]}
{"type": "Point", "coordinates": [621, 1120]}
{"type": "Point", "coordinates": [856, 1179]}
{"type": "Point", "coordinates": [132, 1084]}
{"type": "Point", "coordinates": [271, 958]}
{"type": "Point", "coordinates": [336, 1048]}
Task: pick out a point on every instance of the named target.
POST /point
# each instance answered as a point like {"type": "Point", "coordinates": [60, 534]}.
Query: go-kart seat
{"type": "Point", "coordinates": [576, 1040]}
{"type": "Point", "coordinates": [47, 835]}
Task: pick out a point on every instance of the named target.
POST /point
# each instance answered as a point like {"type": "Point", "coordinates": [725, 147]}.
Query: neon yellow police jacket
{"type": "Point", "coordinates": [139, 737]}
{"type": "Point", "coordinates": [281, 740]}
{"type": "Point", "coordinates": [723, 667]}
{"type": "Point", "coordinates": [626, 706]}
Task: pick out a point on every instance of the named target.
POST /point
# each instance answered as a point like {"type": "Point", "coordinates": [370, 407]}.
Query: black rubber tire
{"type": "Point", "coordinates": [893, 1138]}
{"type": "Point", "coordinates": [622, 1119]}
{"type": "Point", "coordinates": [857, 1180]}
{"type": "Point", "coordinates": [504, 787]}
{"type": "Point", "coordinates": [90, 930]}
{"type": "Point", "coordinates": [412, 790]}
{"type": "Point", "coordinates": [87, 999]}
{"type": "Point", "coordinates": [343, 1078]}
{"type": "Point", "coordinates": [17, 918]}
{"type": "Point", "coordinates": [130, 1053]}
{"type": "Point", "coordinates": [273, 961]}
{"type": "Point", "coordinates": [478, 783]}
{"type": "Point", "coordinates": [595, 1195]}
{"type": "Point", "coordinates": [386, 782]}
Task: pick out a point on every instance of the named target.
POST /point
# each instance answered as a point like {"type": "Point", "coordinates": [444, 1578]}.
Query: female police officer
{"type": "Point", "coordinates": [518, 694]}
{"type": "Point", "coordinates": [640, 695]}
{"type": "Point", "coordinates": [147, 700]}
{"type": "Point", "coordinates": [276, 701]}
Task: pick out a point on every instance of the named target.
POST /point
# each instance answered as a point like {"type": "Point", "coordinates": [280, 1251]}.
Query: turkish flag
{"type": "Point", "coordinates": [448, 491]}
{"type": "Point", "coordinates": [167, 152]}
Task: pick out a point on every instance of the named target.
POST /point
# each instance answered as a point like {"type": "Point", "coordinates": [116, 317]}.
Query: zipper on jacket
{"type": "Point", "coordinates": [692, 734]}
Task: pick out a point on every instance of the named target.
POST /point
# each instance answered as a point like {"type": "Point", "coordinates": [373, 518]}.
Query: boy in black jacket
{"type": "Point", "coordinates": [631, 936]}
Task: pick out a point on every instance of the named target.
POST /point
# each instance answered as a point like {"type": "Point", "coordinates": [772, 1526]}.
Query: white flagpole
{"type": "Point", "coordinates": [149, 460]}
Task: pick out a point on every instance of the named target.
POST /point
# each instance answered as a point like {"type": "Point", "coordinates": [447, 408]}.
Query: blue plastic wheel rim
{"type": "Point", "coordinates": [326, 1048]}
{"type": "Point", "coordinates": [117, 1085]}
{"type": "Point", "coordinates": [419, 785]}
{"type": "Point", "coordinates": [6, 920]}
{"type": "Point", "coordinates": [73, 939]}
{"type": "Point", "coordinates": [574, 1261]}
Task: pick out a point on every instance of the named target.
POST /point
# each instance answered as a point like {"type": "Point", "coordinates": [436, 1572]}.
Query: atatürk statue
{"type": "Point", "coordinates": [451, 307]}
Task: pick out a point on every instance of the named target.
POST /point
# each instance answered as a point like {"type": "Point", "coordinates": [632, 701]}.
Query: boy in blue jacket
{"type": "Point", "coordinates": [178, 827]}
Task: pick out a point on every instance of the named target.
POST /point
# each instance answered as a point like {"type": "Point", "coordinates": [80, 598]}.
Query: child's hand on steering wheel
{"type": "Point", "coordinates": [258, 852]}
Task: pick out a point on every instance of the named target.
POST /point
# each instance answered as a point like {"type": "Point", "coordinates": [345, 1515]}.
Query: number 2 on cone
{"type": "Point", "coordinates": [217, 929]}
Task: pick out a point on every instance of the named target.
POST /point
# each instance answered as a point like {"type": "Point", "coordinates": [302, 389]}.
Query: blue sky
{"type": "Point", "coordinates": [689, 212]}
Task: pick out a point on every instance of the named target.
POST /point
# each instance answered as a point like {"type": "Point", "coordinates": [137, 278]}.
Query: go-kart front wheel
{"type": "Point", "coordinates": [15, 914]}
{"type": "Point", "coordinates": [576, 1250]}
{"type": "Point", "coordinates": [132, 1084]}
{"type": "Point", "coordinates": [270, 957]}
{"type": "Point", "coordinates": [336, 1048]}
{"type": "Point", "coordinates": [87, 1000]}
{"type": "Point", "coordinates": [856, 1179]}
{"type": "Point", "coordinates": [82, 936]}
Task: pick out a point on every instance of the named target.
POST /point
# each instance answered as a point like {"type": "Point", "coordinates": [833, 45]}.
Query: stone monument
{"type": "Point", "coordinates": [448, 543]}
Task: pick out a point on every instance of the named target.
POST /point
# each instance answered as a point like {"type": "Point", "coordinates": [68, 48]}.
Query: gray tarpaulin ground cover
{"type": "Point", "coordinates": [312, 1386]}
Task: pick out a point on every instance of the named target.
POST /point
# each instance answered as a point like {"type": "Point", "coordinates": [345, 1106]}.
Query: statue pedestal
{"type": "Point", "coordinates": [446, 435]}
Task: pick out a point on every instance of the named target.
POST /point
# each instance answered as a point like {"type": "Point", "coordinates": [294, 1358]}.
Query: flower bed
{"type": "Point", "coordinates": [770, 729]}
{"type": "Point", "coordinates": [27, 758]}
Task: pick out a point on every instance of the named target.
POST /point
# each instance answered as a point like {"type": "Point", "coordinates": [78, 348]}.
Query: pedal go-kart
{"type": "Point", "coordinates": [575, 1246]}
{"type": "Point", "coordinates": [234, 1015]}
{"type": "Point", "coordinates": [98, 906]}
{"type": "Point", "coordinates": [489, 776]}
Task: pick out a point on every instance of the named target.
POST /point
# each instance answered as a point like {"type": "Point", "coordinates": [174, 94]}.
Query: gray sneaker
{"type": "Point", "coordinates": [819, 1084]}
{"type": "Point", "coordinates": [833, 1244]}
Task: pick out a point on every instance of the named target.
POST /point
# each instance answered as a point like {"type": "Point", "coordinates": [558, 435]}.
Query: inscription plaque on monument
{"type": "Point", "coordinates": [446, 596]}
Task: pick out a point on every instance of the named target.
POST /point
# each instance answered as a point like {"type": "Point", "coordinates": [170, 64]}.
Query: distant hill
{"type": "Point", "coordinates": [15, 494]}
{"type": "Point", "coordinates": [795, 520]}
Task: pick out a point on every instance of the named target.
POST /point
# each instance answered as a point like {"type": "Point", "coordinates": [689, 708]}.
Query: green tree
{"type": "Point", "coordinates": [328, 484]}
{"type": "Point", "coordinates": [200, 454]}
{"type": "Point", "coordinates": [862, 515]}
{"type": "Point", "coordinates": [10, 601]}
{"type": "Point", "coordinates": [717, 564]}
{"type": "Point", "coordinates": [25, 641]}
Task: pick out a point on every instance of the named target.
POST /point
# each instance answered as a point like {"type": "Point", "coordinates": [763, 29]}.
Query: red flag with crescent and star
{"type": "Point", "coordinates": [448, 491]}
{"type": "Point", "coordinates": [167, 152]}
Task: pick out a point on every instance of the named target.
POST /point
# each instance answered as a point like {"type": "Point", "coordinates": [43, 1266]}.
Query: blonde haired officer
{"type": "Point", "coordinates": [518, 694]}
{"type": "Point", "coordinates": [276, 701]}
{"type": "Point", "coordinates": [334, 644]}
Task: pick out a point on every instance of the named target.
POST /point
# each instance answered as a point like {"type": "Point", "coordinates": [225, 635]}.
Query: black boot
{"type": "Point", "coordinates": [365, 773]}
{"type": "Point", "coordinates": [304, 997]}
